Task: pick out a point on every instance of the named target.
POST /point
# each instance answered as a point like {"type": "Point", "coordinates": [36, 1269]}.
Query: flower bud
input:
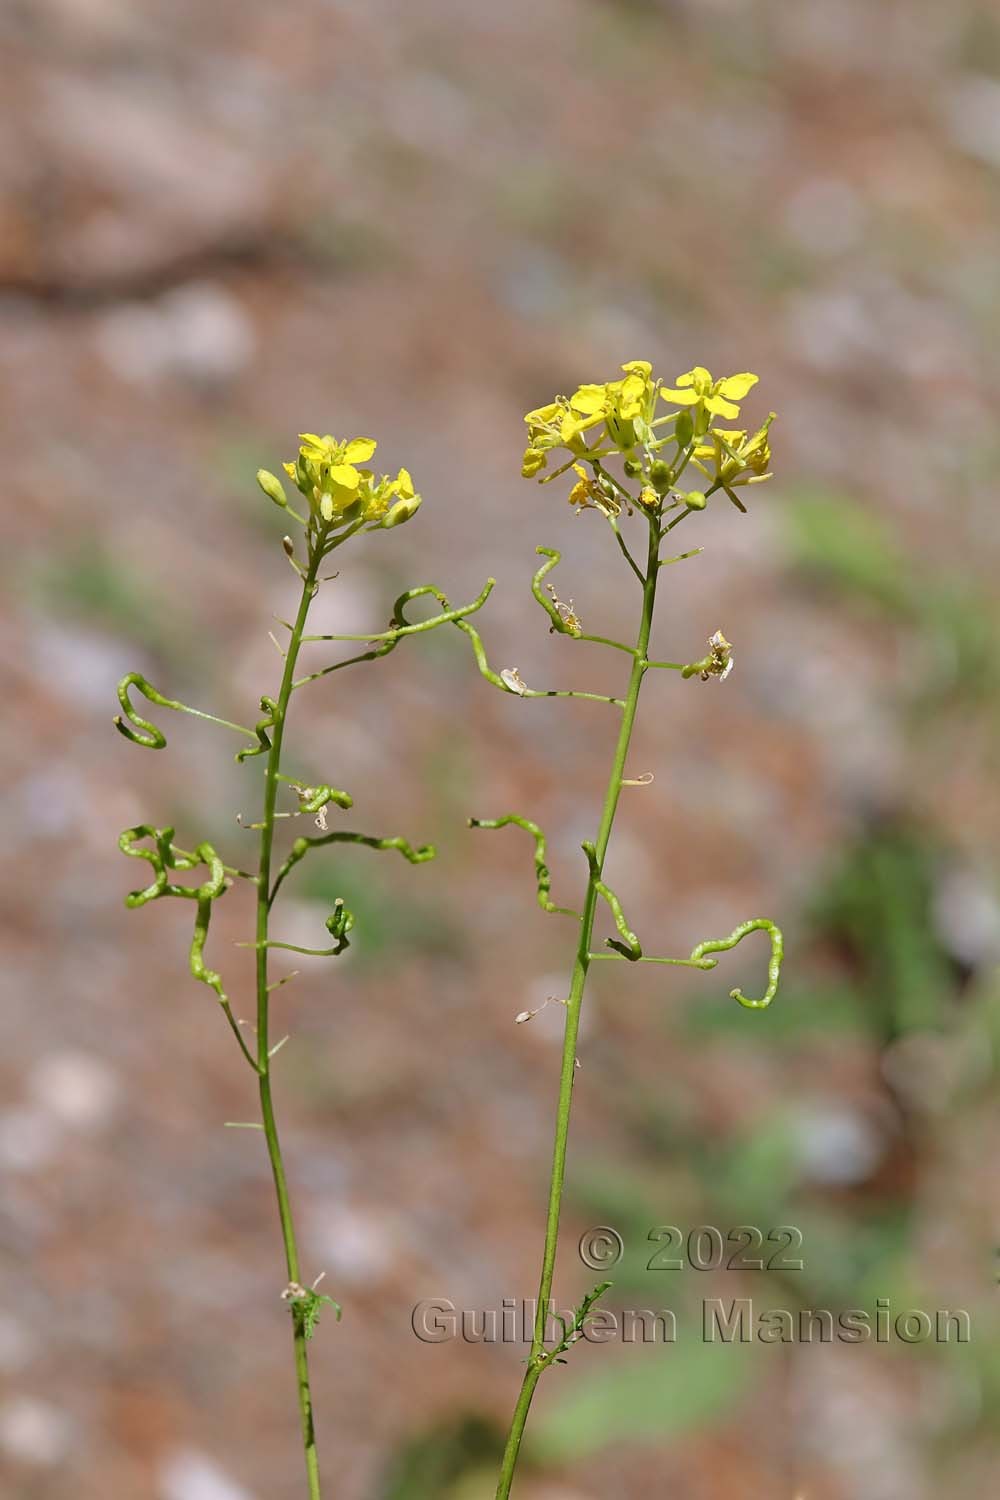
{"type": "Point", "coordinates": [661, 476]}
{"type": "Point", "coordinates": [632, 467]}
{"type": "Point", "coordinates": [401, 511]}
{"type": "Point", "coordinates": [272, 487]}
{"type": "Point", "coordinates": [695, 500]}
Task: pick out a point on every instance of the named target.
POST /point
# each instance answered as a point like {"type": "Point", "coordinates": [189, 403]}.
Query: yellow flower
{"type": "Point", "coordinates": [719, 397]}
{"type": "Point", "coordinates": [736, 458]}
{"type": "Point", "coordinates": [327, 472]}
{"type": "Point", "coordinates": [630, 406]}
{"type": "Point", "coordinates": [624, 406]}
{"type": "Point", "coordinates": [619, 418]}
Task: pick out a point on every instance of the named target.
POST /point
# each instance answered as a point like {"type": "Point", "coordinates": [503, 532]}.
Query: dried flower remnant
{"type": "Point", "coordinates": [718, 663]}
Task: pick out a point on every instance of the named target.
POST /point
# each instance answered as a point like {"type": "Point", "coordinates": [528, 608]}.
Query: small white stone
{"type": "Point", "coordinates": [33, 1432]}
{"type": "Point", "coordinates": [356, 1245]}
{"type": "Point", "coordinates": [837, 1146]}
{"type": "Point", "coordinates": [971, 110]}
{"type": "Point", "coordinates": [187, 1475]}
{"type": "Point", "coordinates": [75, 1088]}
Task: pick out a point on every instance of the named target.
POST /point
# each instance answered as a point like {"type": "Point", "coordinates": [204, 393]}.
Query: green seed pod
{"type": "Point", "coordinates": [684, 428]}
{"type": "Point", "coordinates": [272, 487]}
{"type": "Point", "coordinates": [661, 476]}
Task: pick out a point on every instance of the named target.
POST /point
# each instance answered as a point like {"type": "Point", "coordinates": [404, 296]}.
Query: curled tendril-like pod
{"type": "Point", "coordinates": [511, 686]}
{"type": "Point", "coordinates": [542, 875]}
{"type": "Point", "coordinates": [629, 947]}
{"type": "Point", "coordinates": [382, 643]}
{"type": "Point", "coordinates": [313, 799]}
{"type": "Point", "coordinates": [338, 925]}
{"type": "Point", "coordinates": [260, 729]}
{"type": "Point", "coordinates": [163, 857]}
{"type": "Point", "coordinates": [564, 621]}
{"type": "Point", "coordinates": [302, 845]}
{"type": "Point", "coordinates": [140, 731]}
{"type": "Point", "coordinates": [700, 958]}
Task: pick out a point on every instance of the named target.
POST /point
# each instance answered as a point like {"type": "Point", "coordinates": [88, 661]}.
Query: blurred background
{"type": "Point", "coordinates": [225, 223]}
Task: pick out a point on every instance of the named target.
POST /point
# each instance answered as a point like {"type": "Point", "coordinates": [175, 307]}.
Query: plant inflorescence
{"type": "Point", "coordinates": [342, 498]}
{"type": "Point", "coordinates": [632, 445]}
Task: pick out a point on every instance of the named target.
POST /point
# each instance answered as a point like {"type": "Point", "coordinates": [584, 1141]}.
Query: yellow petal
{"type": "Point", "coordinates": [345, 475]}
{"type": "Point", "coordinates": [720, 407]}
{"type": "Point", "coordinates": [404, 484]}
{"type": "Point", "coordinates": [679, 398]}
{"type": "Point", "coordinates": [737, 386]}
{"type": "Point", "coordinates": [589, 399]}
{"type": "Point", "coordinates": [641, 367]}
{"type": "Point", "coordinates": [542, 415]}
{"type": "Point", "coordinates": [359, 449]}
{"type": "Point", "coordinates": [326, 508]}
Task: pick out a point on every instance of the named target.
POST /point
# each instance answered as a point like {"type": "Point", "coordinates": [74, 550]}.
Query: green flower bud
{"type": "Point", "coordinates": [661, 476]}
{"type": "Point", "coordinates": [272, 487]}
{"type": "Point", "coordinates": [695, 500]}
{"type": "Point", "coordinates": [401, 511]}
{"type": "Point", "coordinates": [684, 428]}
{"type": "Point", "coordinates": [632, 467]}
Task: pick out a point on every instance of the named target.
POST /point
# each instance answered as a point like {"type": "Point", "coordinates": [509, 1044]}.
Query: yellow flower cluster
{"type": "Point", "coordinates": [623, 408]}
{"type": "Point", "coordinates": [623, 418]}
{"type": "Point", "coordinates": [340, 491]}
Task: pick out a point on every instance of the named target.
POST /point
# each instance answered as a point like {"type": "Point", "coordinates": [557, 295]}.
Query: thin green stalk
{"type": "Point", "coordinates": [539, 1358]}
{"type": "Point", "coordinates": [263, 999]}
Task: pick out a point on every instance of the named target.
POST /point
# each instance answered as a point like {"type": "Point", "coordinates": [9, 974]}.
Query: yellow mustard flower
{"type": "Point", "coordinates": [719, 397]}
{"type": "Point", "coordinates": [630, 406]}
{"type": "Point", "coordinates": [625, 407]}
{"type": "Point", "coordinates": [734, 458]}
{"type": "Point", "coordinates": [328, 472]}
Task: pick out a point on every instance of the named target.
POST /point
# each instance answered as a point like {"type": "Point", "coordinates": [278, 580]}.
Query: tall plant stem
{"type": "Point", "coordinates": [539, 1361]}
{"type": "Point", "coordinates": [263, 1041]}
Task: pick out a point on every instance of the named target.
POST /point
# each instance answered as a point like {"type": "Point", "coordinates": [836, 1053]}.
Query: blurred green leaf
{"type": "Point", "coordinates": [662, 1392]}
{"type": "Point", "coordinates": [440, 1464]}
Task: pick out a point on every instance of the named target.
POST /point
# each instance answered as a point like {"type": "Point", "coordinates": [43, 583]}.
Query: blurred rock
{"type": "Point", "coordinates": [967, 916]}
{"type": "Point", "coordinates": [837, 1146]}
{"type": "Point", "coordinates": [971, 110]}
{"type": "Point", "coordinates": [825, 216]}
{"type": "Point", "coordinates": [198, 333]}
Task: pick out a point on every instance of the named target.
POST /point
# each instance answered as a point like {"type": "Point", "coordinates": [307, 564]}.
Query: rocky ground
{"type": "Point", "coordinates": [223, 224]}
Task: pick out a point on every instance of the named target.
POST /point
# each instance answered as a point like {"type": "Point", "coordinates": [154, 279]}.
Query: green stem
{"type": "Point", "coordinates": [538, 1360]}
{"type": "Point", "coordinates": [263, 997]}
